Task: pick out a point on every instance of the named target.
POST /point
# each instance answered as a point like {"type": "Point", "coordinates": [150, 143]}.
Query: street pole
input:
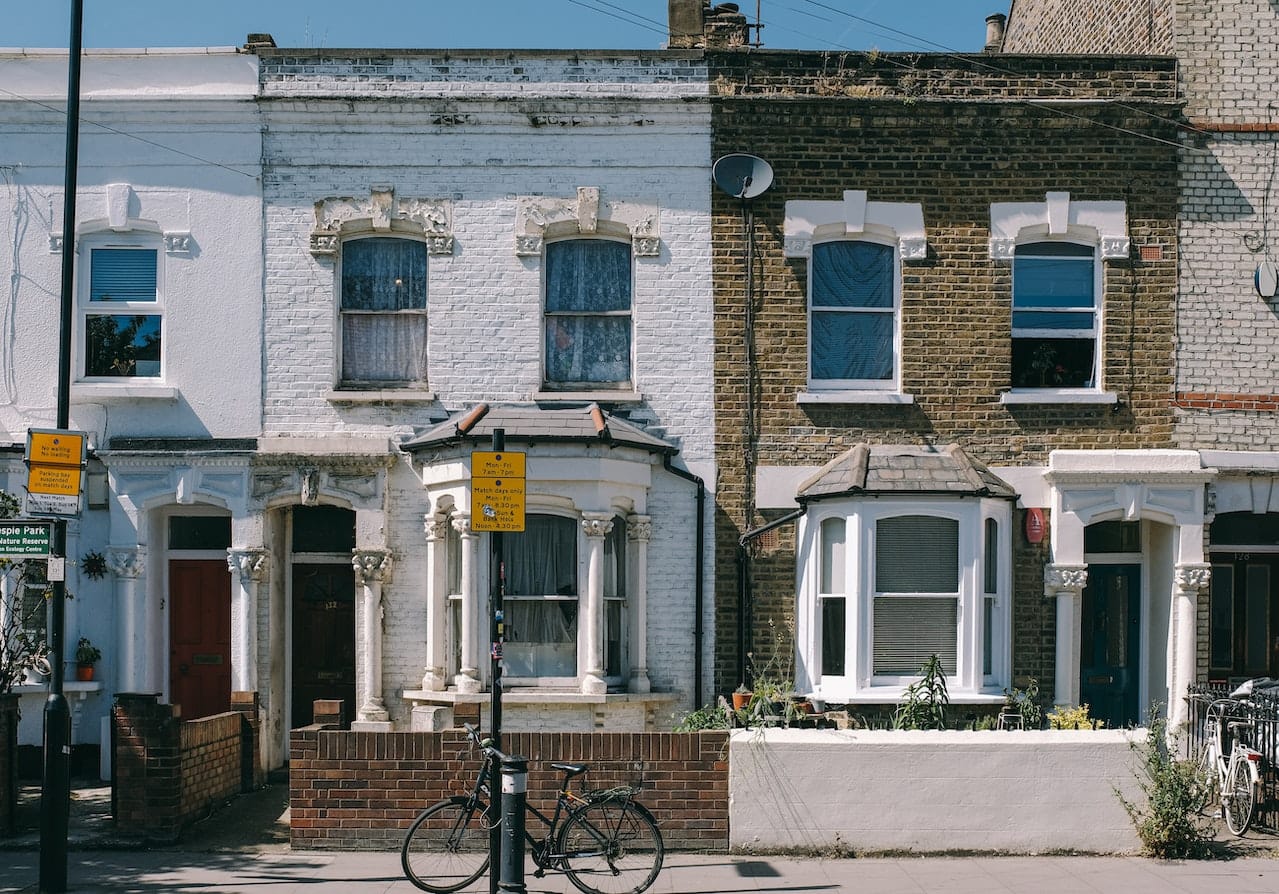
{"type": "Point", "coordinates": [55, 798]}
{"type": "Point", "coordinates": [496, 631]}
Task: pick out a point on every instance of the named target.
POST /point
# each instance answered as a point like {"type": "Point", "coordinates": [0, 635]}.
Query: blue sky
{"type": "Point", "coordinates": [888, 25]}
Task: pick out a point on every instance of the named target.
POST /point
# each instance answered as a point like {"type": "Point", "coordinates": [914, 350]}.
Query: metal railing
{"type": "Point", "coordinates": [1262, 708]}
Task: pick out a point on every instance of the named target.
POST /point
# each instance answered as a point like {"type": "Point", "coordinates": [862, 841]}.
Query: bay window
{"type": "Point", "coordinates": [541, 601]}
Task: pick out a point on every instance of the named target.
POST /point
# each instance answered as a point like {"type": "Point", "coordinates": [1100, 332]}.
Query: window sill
{"type": "Point", "coordinates": [94, 391]}
{"type": "Point", "coordinates": [523, 696]}
{"type": "Point", "coordinates": [854, 397]}
{"type": "Point", "coordinates": [1058, 396]}
{"type": "Point", "coordinates": [893, 694]}
{"type": "Point", "coordinates": [598, 397]}
{"type": "Point", "coordinates": [380, 396]}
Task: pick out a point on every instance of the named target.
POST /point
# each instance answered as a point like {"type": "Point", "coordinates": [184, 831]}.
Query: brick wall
{"type": "Point", "coordinates": [355, 790]}
{"type": "Point", "coordinates": [8, 762]}
{"type": "Point", "coordinates": [955, 138]}
{"type": "Point", "coordinates": [170, 772]}
{"type": "Point", "coordinates": [1086, 26]}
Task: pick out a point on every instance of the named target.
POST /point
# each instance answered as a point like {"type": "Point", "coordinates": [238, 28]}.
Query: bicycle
{"type": "Point", "coordinates": [1235, 774]}
{"type": "Point", "coordinates": [606, 842]}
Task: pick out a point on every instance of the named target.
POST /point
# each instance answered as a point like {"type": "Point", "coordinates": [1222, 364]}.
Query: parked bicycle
{"type": "Point", "coordinates": [605, 841]}
{"type": "Point", "coordinates": [1234, 772]}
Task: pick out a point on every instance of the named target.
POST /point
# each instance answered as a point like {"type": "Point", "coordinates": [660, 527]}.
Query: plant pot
{"type": "Point", "coordinates": [741, 700]}
{"type": "Point", "coordinates": [84, 672]}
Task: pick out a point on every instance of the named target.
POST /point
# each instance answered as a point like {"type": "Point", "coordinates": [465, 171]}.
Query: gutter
{"type": "Point", "coordinates": [699, 573]}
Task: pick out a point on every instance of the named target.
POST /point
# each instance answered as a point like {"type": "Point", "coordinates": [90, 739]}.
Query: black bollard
{"type": "Point", "coordinates": [514, 797]}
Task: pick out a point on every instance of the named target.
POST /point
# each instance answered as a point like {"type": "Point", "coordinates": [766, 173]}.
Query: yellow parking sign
{"type": "Point", "coordinates": [497, 491]}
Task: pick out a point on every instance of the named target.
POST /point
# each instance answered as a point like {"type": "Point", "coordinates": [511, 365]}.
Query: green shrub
{"type": "Point", "coordinates": [708, 717]}
{"type": "Point", "coordinates": [1176, 791]}
{"type": "Point", "coordinates": [1026, 703]}
{"type": "Point", "coordinates": [1066, 717]}
{"type": "Point", "coordinates": [926, 699]}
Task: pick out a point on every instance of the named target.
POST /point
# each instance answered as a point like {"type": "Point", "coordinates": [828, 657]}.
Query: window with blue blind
{"type": "Point", "coordinates": [384, 312]}
{"type": "Point", "coordinates": [1055, 327]}
{"type": "Point", "coordinates": [587, 324]}
{"type": "Point", "coordinates": [122, 319]}
{"type": "Point", "coordinates": [852, 315]}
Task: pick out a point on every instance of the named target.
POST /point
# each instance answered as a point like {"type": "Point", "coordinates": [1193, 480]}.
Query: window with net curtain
{"type": "Point", "coordinates": [541, 601]}
{"type": "Point", "coordinates": [384, 312]}
{"type": "Point", "coordinates": [852, 314]}
{"type": "Point", "coordinates": [587, 323]}
{"type": "Point", "coordinates": [916, 610]}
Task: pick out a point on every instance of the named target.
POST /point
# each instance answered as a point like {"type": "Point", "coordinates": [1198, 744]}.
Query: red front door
{"type": "Point", "coordinates": [200, 636]}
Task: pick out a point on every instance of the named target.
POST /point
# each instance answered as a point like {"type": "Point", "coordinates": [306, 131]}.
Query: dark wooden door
{"type": "Point", "coordinates": [323, 638]}
{"type": "Point", "coordinates": [1109, 660]}
{"type": "Point", "coordinates": [200, 636]}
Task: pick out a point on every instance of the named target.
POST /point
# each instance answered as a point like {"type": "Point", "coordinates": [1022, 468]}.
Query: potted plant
{"type": "Point", "coordinates": [86, 656]}
{"type": "Point", "coordinates": [741, 697]}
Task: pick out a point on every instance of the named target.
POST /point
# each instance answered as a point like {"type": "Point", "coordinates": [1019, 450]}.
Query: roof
{"type": "Point", "coordinates": [903, 469]}
{"type": "Point", "coordinates": [533, 424]}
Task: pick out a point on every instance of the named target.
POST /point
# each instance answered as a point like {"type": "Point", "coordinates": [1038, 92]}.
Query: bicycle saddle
{"type": "Point", "coordinates": [572, 769]}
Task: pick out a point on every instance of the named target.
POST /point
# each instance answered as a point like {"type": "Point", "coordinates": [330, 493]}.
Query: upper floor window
{"type": "Point", "coordinates": [1055, 316]}
{"type": "Point", "coordinates": [852, 315]}
{"type": "Point", "coordinates": [122, 318]}
{"type": "Point", "coordinates": [383, 311]}
{"type": "Point", "coordinates": [588, 314]}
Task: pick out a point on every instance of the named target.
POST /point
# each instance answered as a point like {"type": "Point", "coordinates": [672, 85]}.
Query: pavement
{"type": "Point", "coordinates": [244, 848]}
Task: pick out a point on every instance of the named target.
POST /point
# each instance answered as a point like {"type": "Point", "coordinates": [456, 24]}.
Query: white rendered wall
{"type": "Point", "coordinates": [1021, 792]}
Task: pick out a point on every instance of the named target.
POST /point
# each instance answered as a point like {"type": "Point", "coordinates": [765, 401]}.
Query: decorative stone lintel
{"type": "Point", "coordinates": [1063, 579]}
{"type": "Point", "coordinates": [381, 210]}
{"type": "Point", "coordinates": [177, 243]}
{"type": "Point", "coordinates": [1115, 247]}
{"type": "Point", "coordinates": [372, 566]}
{"type": "Point", "coordinates": [588, 214]}
{"type": "Point", "coordinates": [1191, 579]}
{"type": "Point", "coordinates": [249, 564]}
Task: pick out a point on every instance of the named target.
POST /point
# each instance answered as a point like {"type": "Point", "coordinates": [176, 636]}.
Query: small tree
{"type": "Point", "coordinates": [22, 613]}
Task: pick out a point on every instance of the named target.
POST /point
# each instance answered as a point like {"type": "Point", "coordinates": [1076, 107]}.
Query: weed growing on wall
{"type": "Point", "coordinates": [1169, 825]}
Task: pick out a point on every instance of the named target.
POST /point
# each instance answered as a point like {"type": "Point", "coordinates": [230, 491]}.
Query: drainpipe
{"type": "Point", "coordinates": [699, 589]}
{"type": "Point", "coordinates": [745, 596]}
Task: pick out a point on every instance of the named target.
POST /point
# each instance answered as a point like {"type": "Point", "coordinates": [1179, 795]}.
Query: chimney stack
{"type": "Point", "coordinates": [995, 32]}
{"type": "Point", "coordinates": [685, 20]}
{"type": "Point", "coordinates": [696, 24]}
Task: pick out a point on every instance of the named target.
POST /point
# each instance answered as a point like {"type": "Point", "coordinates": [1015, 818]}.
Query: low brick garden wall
{"type": "Point", "coordinates": [361, 790]}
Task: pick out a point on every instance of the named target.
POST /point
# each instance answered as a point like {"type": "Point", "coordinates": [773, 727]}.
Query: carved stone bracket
{"type": "Point", "coordinates": [430, 218]}
{"type": "Point", "coordinates": [371, 565]}
{"type": "Point", "coordinates": [177, 243]}
{"type": "Point", "coordinates": [639, 528]}
{"type": "Point", "coordinates": [596, 524]}
{"type": "Point", "coordinates": [1192, 578]}
{"type": "Point", "coordinates": [537, 218]}
{"type": "Point", "coordinates": [127, 563]}
{"type": "Point", "coordinates": [1059, 579]}
{"type": "Point", "coordinates": [436, 528]}
{"type": "Point", "coordinates": [249, 564]}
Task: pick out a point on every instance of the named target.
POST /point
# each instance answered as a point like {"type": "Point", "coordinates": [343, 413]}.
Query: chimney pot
{"type": "Point", "coordinates": [995, 32]}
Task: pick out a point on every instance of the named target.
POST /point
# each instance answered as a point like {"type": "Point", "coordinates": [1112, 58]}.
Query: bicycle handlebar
{"type": "Point", "coordinates": [485, 745]}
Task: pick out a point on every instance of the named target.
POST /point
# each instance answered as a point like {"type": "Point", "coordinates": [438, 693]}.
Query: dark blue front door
{"type": "Point", "coordinates": [1109, 660]}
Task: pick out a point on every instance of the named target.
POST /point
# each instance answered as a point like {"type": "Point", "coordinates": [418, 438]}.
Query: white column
{"type": "Point", "coordinates": [249, 568]}
{"type": "Point", "coordinates": [1188, 582]}
{"type": "Point", "coordinates": [639, 530]}
{"type": "Point", "coordinates": [372, 569]}
{"type": "Point", "coordinates": [437, 603]}
{"type": "Point", "coordinates": [468, 680]}
{"type": "Point", "coordinates": [1066, 584]}
{"type": "Point", "coordinates": [131, 620]}
{"type": "Point", "coordinates": [590, 663]}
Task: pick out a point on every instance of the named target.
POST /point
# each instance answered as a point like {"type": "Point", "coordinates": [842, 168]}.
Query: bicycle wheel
{"type": "Point", "coordinates": [447, 847]}
{"type": "Point", "coordinates": [611, 846]}
{"type": "Point", "coordinates": [1239, 800]}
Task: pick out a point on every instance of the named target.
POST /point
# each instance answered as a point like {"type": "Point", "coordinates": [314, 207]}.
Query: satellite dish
{"type": "Point", "coordinates": [1266, 279]}
{"type": "Point", "coordinates": [742, 176]}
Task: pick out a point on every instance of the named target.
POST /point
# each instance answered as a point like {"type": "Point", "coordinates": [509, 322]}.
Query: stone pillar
{"type": "Point", "coordinates": [468, 680]}
{"type": "Point", "coordinates": [372, 570]}
{"type": "Point", "coordinates": [1066, 584]}
{"type": "Point", "coordinates": [590, 663]}
{"type": "Point", "coordinates": [1188, 582]}
{"type": "Point", "coordinates": [639, 530]}
{"type": "Point", "coordinates": [132, 628]}
{"type": "Point", "coordinates": [248, 568]}
{"type": "Point", "coordinates": [437, 603]}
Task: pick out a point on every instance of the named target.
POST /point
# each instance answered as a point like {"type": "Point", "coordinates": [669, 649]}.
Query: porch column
{"type": "Point", "coordinates": [639, 530]}
{"type": "Point", "coordinates": [1188, 582]}
{"type": "Point", "coordinates": [248, 568]}
{"type": "Point", "coordinates": [1066, 583]}
{"type": "Point", "coordinates": [437, 601]}
{"type": "Point", "coordinates": [131, 620]}
{"type": "Point", "coordinates": [590, 664]}
{"type": "Point", "coordinates": [468, 680]}
{"type": "Point", "coordinates": [372, 569]}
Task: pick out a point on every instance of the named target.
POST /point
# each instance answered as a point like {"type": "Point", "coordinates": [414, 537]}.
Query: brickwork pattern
{"type": "Point", "coordinates": [211, 763]}
{"type": "Point", "coordinates": [955, 158]}
{"type": "Point", "coordinates": [1086, 26]}
{"type": "Point", "coordinates": [361, 791]}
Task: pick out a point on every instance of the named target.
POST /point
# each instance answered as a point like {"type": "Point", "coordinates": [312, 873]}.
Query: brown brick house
{"type": "Point", "coordinates": [964, 281]}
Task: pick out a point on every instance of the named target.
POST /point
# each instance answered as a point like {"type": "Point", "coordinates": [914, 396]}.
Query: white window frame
{"type": "Point", "coordinates": [893, 382]}
{"type": "Point", "coordinates": [574, 387]}
{"type": "Point", "coordinates": [341, 381]}
{"type": "Point", "coordinates": [859, 685]}
{"type": "Point", "coordinates": [87, 308]}
{"type": "Point", "coordinates": [1094, 332]}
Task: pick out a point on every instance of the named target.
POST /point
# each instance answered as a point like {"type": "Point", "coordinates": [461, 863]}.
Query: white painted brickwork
{"type": "Point", "coordinates": [1228, 64]}
{"type": "Point", "coordinates": [477, 132]}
